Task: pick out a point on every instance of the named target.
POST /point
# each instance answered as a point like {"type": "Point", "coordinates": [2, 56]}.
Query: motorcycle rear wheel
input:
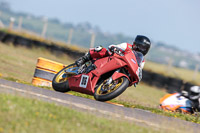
{"type": "Point", "coordinates": [60, 80]}
{"type": "Point", "coordinates": [118, 86]}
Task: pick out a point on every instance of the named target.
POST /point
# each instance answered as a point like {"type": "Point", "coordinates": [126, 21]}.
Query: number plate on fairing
{"type": "Point", "coordinates": [84, 81]}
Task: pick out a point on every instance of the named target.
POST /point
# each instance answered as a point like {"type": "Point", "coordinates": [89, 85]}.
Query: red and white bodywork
{"type": "Point", "coordinates": [109, 74]}
{"type": "Point", "coordinates": [85, 83]}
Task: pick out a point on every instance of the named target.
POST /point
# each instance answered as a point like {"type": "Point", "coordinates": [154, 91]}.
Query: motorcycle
{"type": "Point", "coordinates": [176, 103]}
{"type": "Point", "coordinates": [109, 78]}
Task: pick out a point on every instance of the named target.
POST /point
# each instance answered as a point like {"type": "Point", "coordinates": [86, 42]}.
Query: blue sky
{"type": "Point", "coordinates": [174, 22]}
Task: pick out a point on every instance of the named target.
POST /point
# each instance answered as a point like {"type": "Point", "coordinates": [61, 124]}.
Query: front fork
{"type": "Point", "coordinates": [106, 86]}
{"type": "Point", "coordinates": [109, 81]}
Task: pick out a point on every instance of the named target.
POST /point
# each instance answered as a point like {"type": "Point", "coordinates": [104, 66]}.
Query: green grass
{"type": "Point", "coordinates": [19, 62]}
{"type": "Point", "coordinates": [142, 95]}
{"type": "Point", "coordinates": [180, 73]}
{"type": "Point", "coordinates": [21, 115]}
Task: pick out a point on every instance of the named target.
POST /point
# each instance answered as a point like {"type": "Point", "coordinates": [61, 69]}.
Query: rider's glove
{"type": "Point", "coordinates": [116, 50]}
{"type": "Point", "coordinates": [111, 49]}
{"type": "Point", "coordinates": [98, 48]}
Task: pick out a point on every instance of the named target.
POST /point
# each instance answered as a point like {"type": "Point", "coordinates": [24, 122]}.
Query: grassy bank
{"type": "Point", "coordinates": [180, 73]}
{"type": "Point", "coordinates": [34, 36]}
{"type": "Point", "coordinates": [19, 115]}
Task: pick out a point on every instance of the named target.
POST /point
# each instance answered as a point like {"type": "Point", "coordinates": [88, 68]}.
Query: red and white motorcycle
{"type": "Point", "coordinates": [110, 77]}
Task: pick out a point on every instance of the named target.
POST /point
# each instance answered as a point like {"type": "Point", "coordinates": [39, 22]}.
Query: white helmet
{"type": "Point", "coordinates": [194, 93]}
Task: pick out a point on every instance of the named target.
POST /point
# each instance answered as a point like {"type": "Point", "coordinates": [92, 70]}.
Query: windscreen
{"type": "Point", "coordinates": [139, 57]}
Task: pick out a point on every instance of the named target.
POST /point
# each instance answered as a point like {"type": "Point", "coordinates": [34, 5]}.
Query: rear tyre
{"type": "Point", "coordinates": [107, 92]}
{"type": "Point", "coordinates": [60, 80]}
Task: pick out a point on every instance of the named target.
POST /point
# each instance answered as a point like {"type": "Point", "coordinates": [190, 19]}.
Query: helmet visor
{"type": "Point", "coordinates": [142, 48]}
{"type": "Point", "coordinates": [194, 95]}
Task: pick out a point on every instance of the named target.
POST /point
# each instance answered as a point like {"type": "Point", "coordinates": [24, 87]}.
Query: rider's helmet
{"type": "Point", "coordinates": [141, 44]}
{"type": "Point", "coordinates": [194, 93]}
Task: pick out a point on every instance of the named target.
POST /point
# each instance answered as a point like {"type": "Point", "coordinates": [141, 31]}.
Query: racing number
{"type": "Point", "coordinates": [84, 81]}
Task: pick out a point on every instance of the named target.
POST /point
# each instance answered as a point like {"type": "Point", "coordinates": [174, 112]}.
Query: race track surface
{"type": "Point", "coordinates": [139, 116]}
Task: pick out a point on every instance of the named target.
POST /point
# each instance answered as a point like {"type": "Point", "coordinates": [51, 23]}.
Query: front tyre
{"type": "Point", "coordinates": [106, 92]}
{"type": "Point", "coordinates": [60, 80]}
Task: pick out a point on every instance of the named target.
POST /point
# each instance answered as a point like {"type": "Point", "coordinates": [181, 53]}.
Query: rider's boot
{"type": "Point", "coordinates": [83, 59]}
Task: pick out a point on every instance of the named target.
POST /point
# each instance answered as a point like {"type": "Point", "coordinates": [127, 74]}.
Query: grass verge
{"type": "Point", "coordinates": [19, 115]}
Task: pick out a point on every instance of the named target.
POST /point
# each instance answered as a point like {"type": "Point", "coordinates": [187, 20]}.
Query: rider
{"type": "Point", "coordinates": [193, 95]}
{"type": "Point", "coordinates": [141, 44]}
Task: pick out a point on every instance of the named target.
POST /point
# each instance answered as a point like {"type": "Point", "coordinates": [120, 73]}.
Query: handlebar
{"type": "Point", "coordinates": [118, 53]}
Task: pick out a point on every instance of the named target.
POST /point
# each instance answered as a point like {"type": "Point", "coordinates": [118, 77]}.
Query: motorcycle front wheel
{"type": "Point", "coordinates": [60, 80]}
{"type": "Point", "coordinates": [104, 92]}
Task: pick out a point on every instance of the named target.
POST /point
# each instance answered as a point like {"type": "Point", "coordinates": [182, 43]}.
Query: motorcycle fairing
{"type": "Point", "coordinates": [175, 101]}
{"type": "Point", "coordinates": [81, 83]}
{"type": "Point", "coordinates": [186, 109]}
{"type": "Point", "coordinates": [107, 64]}
{"type": "Point", "coordinates": [132, 66]}
{"type": "Point", "coordinates": [103, 66]}
{"type": "Point", "coordinates": [117, 75]}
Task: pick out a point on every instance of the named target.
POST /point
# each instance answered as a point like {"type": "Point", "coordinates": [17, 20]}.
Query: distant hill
{"type": "Point", "coordinates": [82, 33]}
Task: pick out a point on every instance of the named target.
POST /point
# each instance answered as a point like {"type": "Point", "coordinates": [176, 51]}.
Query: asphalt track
{"type": "Point", "coordinates": [138, 116]}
